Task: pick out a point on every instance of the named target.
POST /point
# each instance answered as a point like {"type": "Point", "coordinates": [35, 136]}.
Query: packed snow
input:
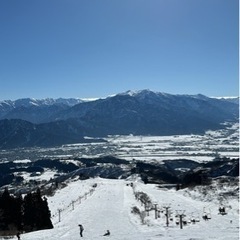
{"type": "Point", "coordinates": [105, 204]}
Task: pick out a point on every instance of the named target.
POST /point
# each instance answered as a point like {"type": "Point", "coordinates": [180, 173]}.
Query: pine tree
{"type": "Point", "coordinates": [19, 212]}
{"type": "Point", "coordinates": [6, 204]}
{"type": "Point", "coordinates": [28, 213]}
{"type": "Point", "coordinates": [10, 212]}
{"type": "Point", "coordinates": [43, 212]}
{"type": "Point", "coordinates": [36, 212]}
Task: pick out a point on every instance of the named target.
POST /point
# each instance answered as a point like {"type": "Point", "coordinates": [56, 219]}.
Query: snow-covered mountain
{"type": "Point", "coordinates": [147, 112]}
{"type": "Point", "coordinates": [28, 102]}
{"type": "Point", "coordinates": [133, 112]}
{"type": "Point", "coordinates": [230, 99]}
{"type": "Point", "coordinates": [49, 109]}
{"type": "Point", "coordinates": [34, 110]}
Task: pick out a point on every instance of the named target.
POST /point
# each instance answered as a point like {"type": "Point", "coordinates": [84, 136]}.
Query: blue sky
{"type": "Point", "coordinates": [94, 48]}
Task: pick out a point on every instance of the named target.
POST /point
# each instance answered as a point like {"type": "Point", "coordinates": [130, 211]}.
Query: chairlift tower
{"type": "Point", "coordinates": [167, 214]}
{"type": "Point", "coordinates": [181, 215]}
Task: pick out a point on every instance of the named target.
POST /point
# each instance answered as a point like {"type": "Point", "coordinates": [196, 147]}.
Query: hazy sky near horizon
{"type": "Point", "coordinates": [95, 48]}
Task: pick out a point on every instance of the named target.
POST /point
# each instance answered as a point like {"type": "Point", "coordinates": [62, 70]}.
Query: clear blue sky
{"type": "Point", "coordinates": [94, 48]}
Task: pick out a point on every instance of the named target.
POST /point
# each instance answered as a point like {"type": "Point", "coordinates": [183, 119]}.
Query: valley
{"type": "Point", "coordinates": [200, 148]}
{"type": "Point", "coordinates": [97, 182]}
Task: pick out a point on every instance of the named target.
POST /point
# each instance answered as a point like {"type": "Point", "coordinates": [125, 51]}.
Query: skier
{"type": "Point", "coordinates": [81, 229]}
{"type": "Point", "coordinates": [107, 233]}
{"type": "Point", "coordinates": [18, 236]}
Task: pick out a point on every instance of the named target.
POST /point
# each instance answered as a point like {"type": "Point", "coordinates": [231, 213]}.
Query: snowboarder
{"type": "Point", "coordinates": [107, 233]}
{"type": "Point", "coordinates": [18, 236]}
{"type": "Point", "coordinates": [81, 229]}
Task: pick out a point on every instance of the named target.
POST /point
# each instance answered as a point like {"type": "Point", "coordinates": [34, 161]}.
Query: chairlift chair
{"type": "Point", "coordinates": [184, 221]}
{"type": "Point", "coordinates": [193, 220]}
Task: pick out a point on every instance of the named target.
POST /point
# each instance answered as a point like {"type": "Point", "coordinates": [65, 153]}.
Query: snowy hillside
{"type": "Point", "coordinates": [108, 206]}
{"type": "Point", "coordinates": [35, 110]}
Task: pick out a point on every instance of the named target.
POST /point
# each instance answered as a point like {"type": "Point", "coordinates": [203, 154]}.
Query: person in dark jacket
{"type": "Point", "coordinates": [18, 235]}
{"type": "Point", "coordinates": [81, 229]}
{"type": "Point", "coordinates": [107, 233]}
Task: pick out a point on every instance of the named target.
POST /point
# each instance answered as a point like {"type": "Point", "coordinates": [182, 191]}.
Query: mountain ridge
{"type": "Point", "coordinates": [133, 112]}
{"type": "Point", "coordinates": [34, 110]}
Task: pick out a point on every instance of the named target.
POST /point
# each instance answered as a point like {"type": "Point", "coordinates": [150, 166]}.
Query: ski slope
{"type": "Point", "coordinates": [108, 207]}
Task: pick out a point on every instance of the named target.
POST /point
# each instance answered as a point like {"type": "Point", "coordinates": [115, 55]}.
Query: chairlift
{"type": "Point", "coordinates": [184, 221]}
{"type": "Point", "coordinates": [193, 220]}
{"type": "Point", "coordinates": [222, 210]}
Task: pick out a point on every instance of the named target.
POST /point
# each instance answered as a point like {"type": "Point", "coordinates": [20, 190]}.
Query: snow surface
{"type": "Point", "coordinates": [200, 148]}
{"type": "Point", "coordinates": [109, 208]}
{"type": "Point", "coordinates": [46, 175]}
{"type": "Point", "coordinates": [22, 161]}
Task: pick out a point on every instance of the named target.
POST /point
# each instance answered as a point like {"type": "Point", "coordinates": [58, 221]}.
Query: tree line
{"type": "Point", "coordinates": [26, 214]}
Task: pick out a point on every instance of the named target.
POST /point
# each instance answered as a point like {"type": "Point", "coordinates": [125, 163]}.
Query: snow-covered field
{"type": "Point", "coordinates": [206, 147]}
{"type": "Point", "coordinates": [108, 207]}
{"type": "Point", "coordinates": [221, 143]}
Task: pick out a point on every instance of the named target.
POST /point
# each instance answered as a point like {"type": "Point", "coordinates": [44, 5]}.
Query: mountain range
{"type": "Point", "coordinates": [49, 122]}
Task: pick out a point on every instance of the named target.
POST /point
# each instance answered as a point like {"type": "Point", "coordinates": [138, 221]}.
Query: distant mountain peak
{"type": "Point", "coordinates": [147, 92]}
{"type": "Point", "coordinates": [144, 92]}
{"type": "Point", "coordinates": [141, 112]}
{"type": "Point", "coordinates": [26, 102]}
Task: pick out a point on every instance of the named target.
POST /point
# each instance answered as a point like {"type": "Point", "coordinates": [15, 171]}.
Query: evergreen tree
{"type": "Point", "coordinates": [36, 212]}
{"type": "Point", "coordinates": [28, 213]}
{"type": "Point", "coordinates": [6, 204]}
{"type": "Point", "coordinates": [19, 213]}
